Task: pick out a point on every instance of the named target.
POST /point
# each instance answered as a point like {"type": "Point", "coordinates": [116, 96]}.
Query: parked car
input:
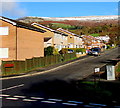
{"type": "Point", "coordinates": [94, 51]}
{"type": "Point", "coordinates": [70, 51]}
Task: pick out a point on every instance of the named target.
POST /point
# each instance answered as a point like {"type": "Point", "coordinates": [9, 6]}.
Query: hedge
{"type": "Point", "coordinates": [65, 50]}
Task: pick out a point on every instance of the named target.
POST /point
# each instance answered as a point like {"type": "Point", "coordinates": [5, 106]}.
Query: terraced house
{"type": "Point", "coordinates": [53, 38]}
{"type": "Point", "coordinates": [19, 40]}
{"type": "Point", "coordinates": [91, 42]}
{"type": "Point", "coordinates": [48, 35]}
{"type": "Point", "coordinates": [74, 40]}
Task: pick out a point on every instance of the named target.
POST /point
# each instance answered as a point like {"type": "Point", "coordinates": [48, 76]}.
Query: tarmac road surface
{"type": "Point", "coordinates": [27, 91]}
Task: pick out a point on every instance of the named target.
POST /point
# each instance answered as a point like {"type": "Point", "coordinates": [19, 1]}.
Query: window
{"type": "Point", "coordinates": [3, 52]}
{"type": "Point", "coordinates": [3, 30]}
{"type": "Point", "coordinates": [48, 44]}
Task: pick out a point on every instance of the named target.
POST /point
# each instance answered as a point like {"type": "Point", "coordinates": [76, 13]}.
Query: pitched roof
{"type": "Point", "coordinates": [43, 27]}
{"type": "Point", "coordinates": [21, 24]}
{"type": "Point", "coordinates": [59, 32]}
{"type": "Point", "coordinates": [47, 28]}
{"type": "Point", "coordinates": [68, 32]}
{"type": "Point", "coordinates": [89, 37]}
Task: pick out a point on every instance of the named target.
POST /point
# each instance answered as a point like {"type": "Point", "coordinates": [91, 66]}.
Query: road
{"type": "Point", "coordinates": [47, 89]}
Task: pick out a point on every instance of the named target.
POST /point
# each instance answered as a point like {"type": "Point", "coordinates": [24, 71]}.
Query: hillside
{"type": "Point", "coordinates": [72, 21]}
{"type": "Point", "coordinates": [82, 18]}
{"type": "Point", "coordinates": [100, 25]}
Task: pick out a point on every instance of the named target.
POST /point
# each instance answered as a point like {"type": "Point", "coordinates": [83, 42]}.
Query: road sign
{"type": "Point", "coordinates": [8, 65]}
{"type": "Point", "coordinates": [97, 69]}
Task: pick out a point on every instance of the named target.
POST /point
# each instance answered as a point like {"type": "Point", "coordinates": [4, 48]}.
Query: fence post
{"type": "Point", "coordinates": [46, 63]}
{"type": "Point", "coordinates": [51, 60]}
{"type": "Point", "coordinates": [33, 61]}
{"type": "Point", "coordinates": [14, 66]}
{"type": "Point", "coordinates": [2, 67]}
{"type": "Point", "coordinates": [25, 64]}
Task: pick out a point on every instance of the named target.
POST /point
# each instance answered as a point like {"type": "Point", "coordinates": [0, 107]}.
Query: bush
{"type": "Point", "coordinates": [108, 46]}
{"type": "Point", "coordinates": [55, 51]}
{"type": "Point", "coordinates": [117, 70]}
{"type": "Point", "coordinates": [65, 50]}
{"type": "Point", "coordinates": [80, 50]}
{"type": "Point", "coordinates": [48, 51]}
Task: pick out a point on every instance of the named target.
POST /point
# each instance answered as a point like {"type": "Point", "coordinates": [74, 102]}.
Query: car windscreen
{"type": "Point", "coordinates": [95, 49]}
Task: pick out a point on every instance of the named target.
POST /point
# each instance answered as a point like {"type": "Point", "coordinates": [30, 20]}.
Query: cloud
{"type": "Point", "coordinates": [12, 8]}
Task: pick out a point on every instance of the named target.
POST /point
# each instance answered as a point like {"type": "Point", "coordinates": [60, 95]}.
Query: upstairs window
{"type": "Point", "coordinates": [3, 30]}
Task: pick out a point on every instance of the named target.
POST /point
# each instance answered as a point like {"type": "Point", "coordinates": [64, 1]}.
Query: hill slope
{"type": "Point", "coordinates": [82, 18]}
{"type": "Point", "coordinates": [101, 25]}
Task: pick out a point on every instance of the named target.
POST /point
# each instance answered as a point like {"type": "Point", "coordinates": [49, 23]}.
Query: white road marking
{"type": "Point", "coordinates": [12, 98]}
{"type": "Point", "coordinates": [48, 102]}
{"type": "Point", "coordinates": [97, 104]}
{"type": "Point", "coordinates": [20, 96]}
{"type": "Point", "coordinates": [12, 87]}
{"type": "Point", "coordinates": [36, 98]}
{"type": "Point", "coordinates": [69, 104]}
{"type": "Point", "coordinates": [55, 99]}
{"type": "Point", "coordinates": [4, 95]}
{"type": "Point", "coordinates": [29, 100]}
{"type": "Point", "coordinates": [72, 103]}
{"type": "Point", "coordinates": [88, 106]}
{"type": "Point", "coordinates": [76, 102]}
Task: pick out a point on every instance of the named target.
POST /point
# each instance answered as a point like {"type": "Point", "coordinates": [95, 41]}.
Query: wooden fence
{"type": "Point", "coordinates": [17, 67]}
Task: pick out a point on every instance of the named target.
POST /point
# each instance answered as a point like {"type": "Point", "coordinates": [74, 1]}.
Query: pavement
{"type": "Point", "coordinates": [45, 69]}
{"type": "Point", "coordinates": [48, 68]}
{"type": "Point", "coordinates": [52, 90]}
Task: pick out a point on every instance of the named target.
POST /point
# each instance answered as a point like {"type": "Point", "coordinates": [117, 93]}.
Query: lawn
{"type": "Point", "coordinates": [94, 35]}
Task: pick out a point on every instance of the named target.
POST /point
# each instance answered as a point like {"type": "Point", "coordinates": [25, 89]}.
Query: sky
{"type": "Point", "coordinates": [20, 8]}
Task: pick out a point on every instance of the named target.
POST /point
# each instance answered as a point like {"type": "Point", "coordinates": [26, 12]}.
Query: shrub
{"type": "Point", "coordinates": [48, 51]}
{"type": "Point", "coordinates": [65, 50]}
{"type": "Point", "coordinates": [117, 70]}
{"type": "Point", "coordinates": [80, 50]}
{"type": "Point", "coordinates": [108, 46]}
{"type": "Point", "coordinates": [55, 51]}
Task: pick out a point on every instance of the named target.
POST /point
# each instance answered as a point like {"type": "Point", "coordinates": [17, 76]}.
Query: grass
{"type": "Point", "coordinates": [64, 26]}
{"type": "Point", "coordinates": [94, 35]}
{"type": "Point", "coordinates": [118, 68]}
{"type": "Point", "coordinates": [96, 89]}
{"type": "Point", "coordinates": [88, 82]}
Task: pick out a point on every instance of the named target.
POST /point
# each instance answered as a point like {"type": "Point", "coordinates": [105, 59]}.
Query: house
{"type": "Point", "coordinates": [20, 41]}
{"type": "Point", "coordinates": [105, 39]}
{"type": "Point", "coordinates": [52, 37]}
{"type": "Point", "coordinates": [48, 35]}
{"type": "Point", "coordinates": [91, 42]}
{"type": "Point", "coordinates": [78, 41]}
{"type": "Point", "coordinates": [74, 40]}
{"type": "Point", "coordinates": [60, 40]}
